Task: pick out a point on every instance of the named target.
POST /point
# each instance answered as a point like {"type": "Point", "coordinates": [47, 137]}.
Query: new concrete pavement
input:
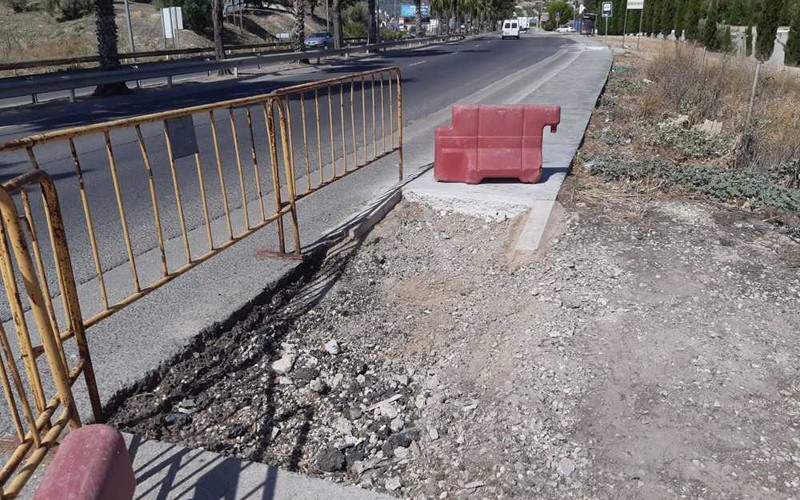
{"type": "Point", "coordinates": [145, 335]}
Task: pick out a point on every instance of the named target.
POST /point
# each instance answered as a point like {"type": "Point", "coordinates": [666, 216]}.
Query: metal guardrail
{"type": "Point", "coordinates": [75, 62]}
{"type": "Point", "coordinates": [264, 153]}
{"type": "Point", "coordinates": [33, 86]}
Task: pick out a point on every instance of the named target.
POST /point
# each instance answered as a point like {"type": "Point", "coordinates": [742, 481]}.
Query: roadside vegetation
{"type": "Point", "coordinates": [676, 121]}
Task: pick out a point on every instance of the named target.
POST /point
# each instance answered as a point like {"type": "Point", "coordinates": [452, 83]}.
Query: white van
{"type": "Point", "coordinates": [510, 29]}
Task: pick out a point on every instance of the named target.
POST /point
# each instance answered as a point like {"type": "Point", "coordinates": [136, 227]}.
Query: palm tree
{"type": "Point", "coordinates": [336, 21]}
{"type": "Point", "coordinates": [372, 33]}
{"type": "Point", "coordinates": [216, 13]}
{"type": "Point", "coordinates": [106, 32]}
{"type": "Point", "coordinates": [418, 15]}
{"type": "Point", "coordinates": [439, 7]}
{"type": "Point", "coordinates": [299, 28]}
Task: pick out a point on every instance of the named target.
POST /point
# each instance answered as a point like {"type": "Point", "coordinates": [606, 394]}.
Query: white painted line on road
{"type": "Point", "coordinates": [417, 63]}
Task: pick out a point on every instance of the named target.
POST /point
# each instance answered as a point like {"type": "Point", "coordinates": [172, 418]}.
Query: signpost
{"type": "Point", "coordinates": [637, 5]}
{"type": "Point", "coordinates": [607, 12]}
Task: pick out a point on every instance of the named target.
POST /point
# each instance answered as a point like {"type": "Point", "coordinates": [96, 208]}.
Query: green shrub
{"type": "Point", "coordinates": [354, 30]}
{"type": "Point", "coordinates": [68, 10]}
{"type": "Point", "coordinates": [690, 142]}
{"type": "Point", "coordinates": [761, 190]}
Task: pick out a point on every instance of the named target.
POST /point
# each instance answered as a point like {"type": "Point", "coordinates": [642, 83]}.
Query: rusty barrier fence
{"type": "Point", "coordinates": [98, 216]}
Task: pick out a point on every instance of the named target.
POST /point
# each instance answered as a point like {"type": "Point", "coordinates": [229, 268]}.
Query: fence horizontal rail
{"type": "Point", "coordinates": [54, 82]}
{"type": "Point", "coordinates": [147, 199]}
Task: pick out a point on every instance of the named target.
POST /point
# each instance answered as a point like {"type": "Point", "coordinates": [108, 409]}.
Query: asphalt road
{"type": "Point", "coordinates": [433, 78]}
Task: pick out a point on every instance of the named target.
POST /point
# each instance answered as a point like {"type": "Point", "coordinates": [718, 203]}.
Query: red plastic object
{"type": "Point", "coordinates": [493, 141]}
{"type": "Point", "coordinates": [91, 463]}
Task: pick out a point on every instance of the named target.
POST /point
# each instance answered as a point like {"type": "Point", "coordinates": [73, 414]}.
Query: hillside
{"type": "Point", "coordinates": [36, 35]}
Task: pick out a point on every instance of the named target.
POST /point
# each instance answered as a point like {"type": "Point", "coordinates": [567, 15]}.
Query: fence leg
{"type": "Point", "coordinates": [34, 98]}
{"type": "Point", "coordinates": [169, 81]}
{"type": "Point", "coordinates": [71, 95]}
{"type": "Point", "coordinates": [236, 72]}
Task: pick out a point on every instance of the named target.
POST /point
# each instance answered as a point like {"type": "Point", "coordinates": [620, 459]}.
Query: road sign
{"type": "Point", "coordinates": [558, 16]}
{"type": "Point", "coordinates": [607, 9]}
{"type": "Point", "coordinates": [171, 21]}
{"type": "Point", "coordinates": [411, 10]}
{"type": "Point", "coordinates": [635, 4]}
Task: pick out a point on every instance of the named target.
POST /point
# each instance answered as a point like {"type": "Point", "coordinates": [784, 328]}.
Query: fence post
{"type": "Point", "coordinates": [752, 103]}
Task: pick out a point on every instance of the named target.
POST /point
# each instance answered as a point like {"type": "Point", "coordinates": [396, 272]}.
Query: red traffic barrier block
{"type": "Point", "coordinates": [493, 141]}
{"type": "Point", "coordinates": [91, 463]}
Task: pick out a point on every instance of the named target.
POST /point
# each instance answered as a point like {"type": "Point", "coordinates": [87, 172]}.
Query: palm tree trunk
{"type": "Point", "coordinates": [219, 48]}
{"type": "Point", "coordinates": [372, 32]}
{"type": "Point", "coordinates": [418, 15]}
{"type": "Point", "coordinates": [336, 21]}
{"type": "Point", "coordinates": [106, 32]}
{"type": "Point", "coordinates": [299, 28]}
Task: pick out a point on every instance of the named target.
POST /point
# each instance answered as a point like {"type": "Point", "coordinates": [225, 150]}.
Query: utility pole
{"type": "Point", "coordinates": [639, 34]}
{"type": "Point", "coordinates": [625, 24]}
{"type": "Point", "coordinates": [327, 16]}
{"type": "Point", "coordinates": [130, 27]}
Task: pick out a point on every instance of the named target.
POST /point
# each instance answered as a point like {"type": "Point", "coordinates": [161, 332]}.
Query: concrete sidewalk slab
{"type": "Point", "coordinates": [165, 470]}
{"type": "Point", "coordinates": [576, 89]}
{"type": "Point", "coordinates": [493, 200]}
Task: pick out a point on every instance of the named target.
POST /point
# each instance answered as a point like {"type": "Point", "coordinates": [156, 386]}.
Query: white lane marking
{"type": "Point", "coordinates": [417, 63]}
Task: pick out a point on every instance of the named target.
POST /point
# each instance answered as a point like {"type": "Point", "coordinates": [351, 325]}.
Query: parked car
{"type": "Point", "coordinates": [319, 40]}
{"type": "Point", "coordinates": [510, 29]}
{"type": "Point", "coordinates": [565, 29]}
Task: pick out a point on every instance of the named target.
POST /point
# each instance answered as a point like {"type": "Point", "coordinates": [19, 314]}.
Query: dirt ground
{"type": "Point", "coordinates": [648, 352]}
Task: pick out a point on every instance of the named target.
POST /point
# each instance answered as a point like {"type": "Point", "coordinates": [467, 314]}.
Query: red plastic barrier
{"type": "Point", "coordinates": [91, 464]}
{"type": "Point", "coordinates": [493, 141]}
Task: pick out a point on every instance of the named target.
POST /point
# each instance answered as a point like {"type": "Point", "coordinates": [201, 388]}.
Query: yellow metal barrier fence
{"type": "Point", "coordinates": [265, 153]}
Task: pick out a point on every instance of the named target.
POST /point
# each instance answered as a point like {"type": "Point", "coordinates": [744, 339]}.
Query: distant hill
{"type": "Point", "coordinates": [36, 34]}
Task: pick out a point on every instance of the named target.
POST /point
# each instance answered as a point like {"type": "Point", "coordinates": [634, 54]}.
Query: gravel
{"type": "Point", "coordinates": [649, 350]}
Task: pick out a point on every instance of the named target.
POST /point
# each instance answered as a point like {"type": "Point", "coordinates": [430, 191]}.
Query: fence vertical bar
{"type": "Point", "coordinates": [364, 113]}
{"type": "Point", "coordinates": [353, 122]}
{"type": "Point", "coordinates": [37, 255]}
{"type": "Point", "coordinates": [222, 187]}
{"type": "Point", "coordinates": [70, 291]}
{"type": "Point", "coordinates": [383, 116]}
{"type": "Point", "coordinates": [254, 156]}
{"type": "Point", "coordinates": [330, 125]}
{"type": "Point", "coordinates": [101, 282]}
{"type": "Point", "coordinates": [18, 313]}
{"type": "Point", "coordinates": [288, 167]}
{"type": "Point", "coordinates": [153, 199]}
{"type": "Point", "coordinates": [374, 122]}
{"type": "Point", "coordinates": [177, 188]}
{"type": "Point", "coordinates": [23, 394]}
{"type": "Point", "coordinates": [400, 122]}
{"type": "Point", "coordinates": [112, 163]}
{"type": "Point", "coordinates": [319, 138]}
{"type": "Point", "coordinates": [391, 110]}
{"type": "Point", "coordinates": [10, 401]}
{"type": "Point", "coordinates": [344, 134]}
{"type": "Point", "coordinates": [269, 116]}
{"type": "Point", "coordinates": [305, 139]}
{"type": "Point", "coordinates": [199, 165]}
{"type": "Point", "coordinates": [235, 136]}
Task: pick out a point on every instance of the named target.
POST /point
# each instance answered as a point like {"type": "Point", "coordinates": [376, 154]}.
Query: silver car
{"type": "Point", "coordinates": [319, 40]}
